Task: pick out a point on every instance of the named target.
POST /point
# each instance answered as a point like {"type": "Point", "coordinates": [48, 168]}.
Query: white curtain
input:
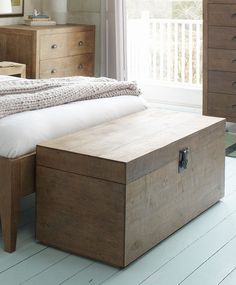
{"type": "Point", "coordinates": [114, 39]}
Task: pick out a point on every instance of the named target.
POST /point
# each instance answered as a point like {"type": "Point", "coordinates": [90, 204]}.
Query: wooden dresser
{"type": "Point", "coordinates": [220, 58]}
{"type": "Point", "coordinates": [52, 51]}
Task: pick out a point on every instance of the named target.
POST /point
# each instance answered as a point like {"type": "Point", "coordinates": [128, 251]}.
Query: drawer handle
{"type": "Point", "coordinates": [80, 66]}
{"type": "Point", "coordinates": [233, 15]}
{"type": "Point", "coordinates": [234, 60]}
{"type": "Point", "coordinates": [53, 71]}
{"type": "Point", "coordinates": [54, 46]}
{"type": "Point", "coordinates": [234, 106]}
{"type": "Point", "coordinates": [234, 38]}
{"type": "Point", "coordinates": [233, 83]}
{"type": "Point", "coordinates": [81, 43]}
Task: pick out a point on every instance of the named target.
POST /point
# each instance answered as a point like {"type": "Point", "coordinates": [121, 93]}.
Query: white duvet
{"type": "Point", "coordinates": [20, 133]}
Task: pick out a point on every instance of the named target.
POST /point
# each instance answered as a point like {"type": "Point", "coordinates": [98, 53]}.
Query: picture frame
{"type": "Point", "coordinates": [11, 8]}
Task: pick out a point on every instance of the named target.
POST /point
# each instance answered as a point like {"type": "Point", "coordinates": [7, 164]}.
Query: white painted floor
{"type": "Point", "coordinates": [202, 253]}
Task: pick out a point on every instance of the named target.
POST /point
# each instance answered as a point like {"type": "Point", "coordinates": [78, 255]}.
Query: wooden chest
{"type": "Point", "coordinates": [114, 191]}
{"type": "Point", "coordinates": [51, 51]}
{"type": "Point", "coordinates": [220, 58]}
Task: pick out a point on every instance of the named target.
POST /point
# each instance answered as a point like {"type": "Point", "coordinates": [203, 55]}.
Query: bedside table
{"type": "Point", "coordinates": [12, 69]}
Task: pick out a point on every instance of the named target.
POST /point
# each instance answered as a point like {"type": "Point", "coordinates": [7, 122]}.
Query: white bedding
{"type": "Point", "coordinates": [20, 133]}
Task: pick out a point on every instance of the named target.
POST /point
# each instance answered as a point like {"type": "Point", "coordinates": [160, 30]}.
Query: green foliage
{"type": "Point", "coordinates": [191, 10]}
{"type": "Point", "coordinates": [175, 9]}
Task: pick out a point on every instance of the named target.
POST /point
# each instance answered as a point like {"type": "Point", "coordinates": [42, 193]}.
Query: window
{"type": "Point", "coordinates": [164, 48]}
{"type": "Point", "coordinates": [157, 43]}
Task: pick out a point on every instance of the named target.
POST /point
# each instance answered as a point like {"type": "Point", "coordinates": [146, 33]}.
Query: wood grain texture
{"type": "Point", "coordinates": [222, 37]}
{"type": "Point", "coordinates": [222, 105]}
{"type": "Point", "coordinates": [68, 44]}
{"type": "Point", "coordinates": [205, 56]}
{"type": "Point", "coordinates": [219, 58]}
{"type": "Point", "coordinates": [113, 149]}
{"type": "Point", "coordinates": [13, 51]}
{"type": "Point", "coordinates": [17, 69]}
{"type": "Point", "coordinates": [163, 201]}
{"type": "Point", "coordinates": [47, 43]}
{"type": "Point", "coordinates": [141, 167]}
{"type": "Point", "coordinates": [81, 65]}
{"type": "Point", "coordinates": [90, 210]}
{"type": "Point", "coordinates": [222, 82]}
{"type": "Point", "coordinates": [9, 201]}
{"type": "Point", "coordinates": [17, 179]}
{"type": "Point", "coordinates": [27, 174]}
{"type": "Point", "coordinates": [222, 15]}
{"type": "Point", "coordinates": [171, 262]}
{"type": "Point", "coordinates": [222, 1]}
{"type": "Point", "coordinates": [222, 60]}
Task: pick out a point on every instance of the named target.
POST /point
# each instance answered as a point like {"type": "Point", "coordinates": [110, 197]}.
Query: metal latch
{"type": "Point", "coordinates": [183, 159]}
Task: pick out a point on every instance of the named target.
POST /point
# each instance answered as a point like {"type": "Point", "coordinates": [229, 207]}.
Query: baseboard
{"type": "Point", "coordinates": [175, 106]}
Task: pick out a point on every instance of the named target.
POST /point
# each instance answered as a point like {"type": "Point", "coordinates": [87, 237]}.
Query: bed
{"type": "Point", "coordinates": [20, 133]}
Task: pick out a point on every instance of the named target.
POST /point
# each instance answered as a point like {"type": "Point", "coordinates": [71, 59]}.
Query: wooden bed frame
{"type": "Point", "coordinates": [17, 179]}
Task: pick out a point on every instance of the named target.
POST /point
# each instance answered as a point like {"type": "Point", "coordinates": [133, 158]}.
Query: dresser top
{"type": "Point", "coordinates": [66, 27]}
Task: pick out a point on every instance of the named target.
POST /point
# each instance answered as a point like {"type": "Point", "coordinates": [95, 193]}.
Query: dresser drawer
{"type": "Point", "coordinates": [222, 15]}
{"type": "Point", "coordinates": [222, 37]}
{"type": "Point", "coordinates": [222, 60]}
{"type": "Point", "coordinates": [53, 46]}
{"type": "Point", "coordinates": [69, 66]}
{"type": "Point", "coordinates": [81, 43]}
{"type": "Point", "coordinates": [222, 105]}
{"type": "Point", "coordinates": [62, 45]}
{"type": "Point", "coordinates": [222, 82]}
{"type": "Point", "coordinates": [222, 1]}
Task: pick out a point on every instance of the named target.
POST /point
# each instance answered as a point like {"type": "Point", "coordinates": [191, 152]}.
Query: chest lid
{"type": "Point", "coordinates": [128, 148]}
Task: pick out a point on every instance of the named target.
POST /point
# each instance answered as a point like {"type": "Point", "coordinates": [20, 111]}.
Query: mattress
{"type": "Point", "coordinates": [20, 133]}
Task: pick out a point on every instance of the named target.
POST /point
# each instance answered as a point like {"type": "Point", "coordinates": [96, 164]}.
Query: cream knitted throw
{"type": "Point", "coordinates": [26, 95]}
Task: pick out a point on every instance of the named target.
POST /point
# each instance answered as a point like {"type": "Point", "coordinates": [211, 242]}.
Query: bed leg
{"type": "Point", "coordinates": [9, 202]}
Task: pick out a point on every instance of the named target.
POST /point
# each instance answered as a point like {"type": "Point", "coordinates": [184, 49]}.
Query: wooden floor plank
{"type": "Point", "coordinates": [61, 271]}
{"type": "Point", "coordinates": [230, 167]}
{"type": "Point", "coordinates": [28, 202]}
{"type": "Point", "coordinates": [191, 258]}
{"type": "Point", "coordinates": [230, 184]}
{"type": "Point", "coordinates": [25, 237]}
{"type": "Point", "coordinates": [94, 274]}
{"type": "Point", "coordinates": [216, 268]}
{"type": "Point", "coordinates": [229, 279]}
{"type": "Point", "coordinates": [34, 264]}
{"type": "Point", "coordinates": [11, 261]}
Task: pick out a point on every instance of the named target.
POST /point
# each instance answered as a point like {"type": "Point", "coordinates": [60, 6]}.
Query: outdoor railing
{"type": "Point", "coordinates": [167, 50]}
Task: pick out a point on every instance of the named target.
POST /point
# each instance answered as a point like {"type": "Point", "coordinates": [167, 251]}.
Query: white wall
{"type": "Point", "coordinates": [29, 5]}
{"type": "Point", "coordinates": [87, 12]}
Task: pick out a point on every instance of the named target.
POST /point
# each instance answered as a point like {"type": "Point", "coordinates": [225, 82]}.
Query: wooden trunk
{"type": "Point", "coordinates": [114, 191]}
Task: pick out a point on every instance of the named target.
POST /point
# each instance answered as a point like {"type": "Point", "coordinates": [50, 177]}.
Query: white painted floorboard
{"type": "Point", "coordinates": [229, 279]}
{"type": "Point", "coordinates": [203, 253]}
